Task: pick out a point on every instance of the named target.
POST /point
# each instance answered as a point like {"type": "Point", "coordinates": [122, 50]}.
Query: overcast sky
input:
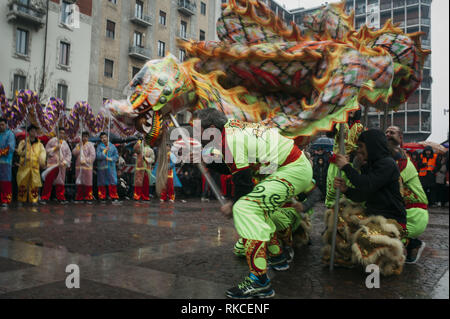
{"type": "Point", "coordinates": [439, 62]}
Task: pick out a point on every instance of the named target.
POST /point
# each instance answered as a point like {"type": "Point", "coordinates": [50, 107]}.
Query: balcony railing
{"type": "Point", "coordinates": [26, 13]}
{"type": "Point", "coordinates": [426, 85]}
{"type": "Point", "coordinates": [188, 7]}
{"type": "Point", "coordinates": [427, 63]}
{"type": "Point", "coordinates": [425, 1]}
{"type": "Point", "coordinates": [143, 20]}
{"type": "Point", "coordinates": [139, 53]}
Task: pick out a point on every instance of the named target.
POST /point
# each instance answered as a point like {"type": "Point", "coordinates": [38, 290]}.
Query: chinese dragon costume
{"type": "Point", "coordinates": [302, 79]}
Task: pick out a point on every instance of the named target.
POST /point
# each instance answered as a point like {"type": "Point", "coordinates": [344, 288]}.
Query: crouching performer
{"type": "Point", "coordinates": [253, 150]}
{"type": "Point", "coordinates": [293, 223]}
{"type": "Point", "coordinates": [371, 235]}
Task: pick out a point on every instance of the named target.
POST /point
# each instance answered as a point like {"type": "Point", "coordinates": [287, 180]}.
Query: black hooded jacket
{"type": "Point", "coordinates": [378, 184]}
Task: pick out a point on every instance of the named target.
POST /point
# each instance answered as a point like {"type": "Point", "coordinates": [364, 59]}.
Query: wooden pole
{"type": "Point", "coordinates": [338, 195]}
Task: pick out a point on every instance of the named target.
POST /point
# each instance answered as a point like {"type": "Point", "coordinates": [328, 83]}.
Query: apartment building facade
{"type": "Point", "coordinates": [414, 117]}
{"type": "Point", "coordinates": [46, 48]}
{"type": "Point", "coordinates": [126, 34]}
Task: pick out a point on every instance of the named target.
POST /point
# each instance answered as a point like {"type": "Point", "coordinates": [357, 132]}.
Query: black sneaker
{"type": "Point", "coordinates": [278, 263]}
{"type": "Point", "coordinates": [414, 253]}
{"type": "Point", "coordinates": [250, 288]}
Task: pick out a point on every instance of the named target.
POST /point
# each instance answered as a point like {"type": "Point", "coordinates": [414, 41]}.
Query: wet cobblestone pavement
{"type": "Point", "coordinates": [181, 250]}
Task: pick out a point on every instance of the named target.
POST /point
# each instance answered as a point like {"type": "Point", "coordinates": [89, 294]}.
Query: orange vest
{"type": "Point", "coordinates": [430, 165]}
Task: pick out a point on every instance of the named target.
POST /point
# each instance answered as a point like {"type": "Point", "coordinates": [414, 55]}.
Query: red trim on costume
{"type": "Point", "coordinates": [332, 159]}
{"type": "Point", "coordinates": [416, 205]}
{"type": "Point", "coordinates": [293, 156]}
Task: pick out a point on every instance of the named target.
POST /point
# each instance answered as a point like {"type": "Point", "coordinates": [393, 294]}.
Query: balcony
{"type": "Point", "coordinates": [30, 14]}
{"type": "Point", "coordinates": [426, 85]}
{"type": "Point", "coordinates": [427, 63]}
{"type": "Point", "coordinates": [425, 2]}
{"type": "Point", "coordinates": [426, 43]}
{"type": "Point", "coordinates": [139, 53]}
{"type": "Point", "coordinates": [143, 20]}
{"type": "Point", "coordinates": [187, 7]}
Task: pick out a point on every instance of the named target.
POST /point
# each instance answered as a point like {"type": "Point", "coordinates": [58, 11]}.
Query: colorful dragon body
{"type": "Point", "coordinates": [301, 79]}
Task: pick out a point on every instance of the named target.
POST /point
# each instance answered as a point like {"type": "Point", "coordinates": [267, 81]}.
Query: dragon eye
{"type": "Point", "coordinates": [163, 100]}
{"type": "Point", "coordinates": [167, 91]}
{"type": "Point", "coordinates": [162, 80]}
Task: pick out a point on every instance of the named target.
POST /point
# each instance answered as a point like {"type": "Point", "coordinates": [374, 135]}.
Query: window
{"type": "Point", "coordinates": [183, 29]}
{"type": "Point", "coordinates": [64, 53]}
{"type": "Point", "coordinates": [109, 68]}
{"type": "Point", "coordinates": [20, 82]}
{"type": "Point", "coordinates": [62, 93]}
{"type": "Point", "coordinates": [110, 29]}
{"type": "Point", "coordinates": [135, 71]}
{"type": "Point", "coordinates": [113, 1]}
{"type": "Point", "coordinates": [162, 17]}
{"type": "Point", "coordinates": [66, 12]}
{"type": "Point", "coordinates": [139, 9]}
{"type": "Point", "coordinates": [182, 55]}
{"type": "Point", "coordinates": [137, 41]}
{"type": "Point", "coordinates": [202, 35]}
{"type": "Point", "coordinates": [161, 48]}
{"type": "Point", "coordinates": [203, 8]}
{"type": "Point", "coordinates": [22, 41]}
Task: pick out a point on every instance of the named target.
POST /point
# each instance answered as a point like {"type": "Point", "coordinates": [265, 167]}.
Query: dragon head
{"type": "Point", "coordinates": [162, 86]}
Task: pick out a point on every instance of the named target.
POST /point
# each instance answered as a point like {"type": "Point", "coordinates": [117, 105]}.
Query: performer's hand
{"type": "Point", "coordinates": [298, 207]}
{"type": "Point", "coordinates": [227, 210]}
{"type": "Point", "coordinates": [340, 183]}
{"type": "Point", "coordinates": [341, 160]}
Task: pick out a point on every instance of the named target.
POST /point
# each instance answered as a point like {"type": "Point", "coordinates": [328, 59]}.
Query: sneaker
{"type": "Point", "coordinates": [413, 254]}
{"type": "Point", "coordinates": [239, 249]}
{"type": "Point", "coordinates": [203, 199]}
{"type": "Point", "coordinates": [278, 263]}
{"type": "Point", "coordinates": [171, 201]}
{"type": "Point", "coordinates": [89, 202]}
{"type": "Point", "coordinates": [289, 253]}
{"type": "Point", "coordinates": [43, 202]}
{"type": "Point", "coordinates": [4, 206]}
{"type": "Point", "coordinates": [251, 287]}
{"type": "Point", "coordinates": [63, 202]}
{"type": "Point", "coordinates": [116, 202]}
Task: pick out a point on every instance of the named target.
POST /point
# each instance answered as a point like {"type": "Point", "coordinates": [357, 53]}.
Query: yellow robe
{"type": "Point", "coordinates": [28, 175]}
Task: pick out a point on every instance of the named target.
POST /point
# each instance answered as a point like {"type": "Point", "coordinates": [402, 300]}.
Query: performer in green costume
{"type": "Point", "coordinates": [251, 150]}
{"type": "Point", "coordinates": [416, 202]}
